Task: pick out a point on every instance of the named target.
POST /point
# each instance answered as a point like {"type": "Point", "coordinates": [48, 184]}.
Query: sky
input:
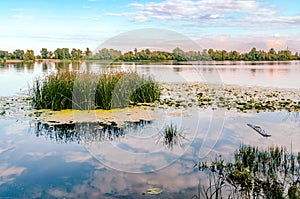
{"type": "Point", "coordinates": [218, 24]}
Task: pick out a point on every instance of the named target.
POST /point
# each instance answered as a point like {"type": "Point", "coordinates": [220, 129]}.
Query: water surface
{"type": "Point", "coordinates": [17, 77]}
{"type": "Point", "coordinates": [38, 161]}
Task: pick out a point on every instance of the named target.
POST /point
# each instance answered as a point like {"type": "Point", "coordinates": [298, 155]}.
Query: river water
{"type": "Point", "coordinates": [38, 162]}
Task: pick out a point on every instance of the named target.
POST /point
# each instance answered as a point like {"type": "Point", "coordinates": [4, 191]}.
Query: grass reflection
{"type": "Point", "coordinates": [86, 132]}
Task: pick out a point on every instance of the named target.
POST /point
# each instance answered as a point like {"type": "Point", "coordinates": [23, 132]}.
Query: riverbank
{"type": "Point", "coordinates": [152, 62]}
{"type": "Point", "coordinates": [37, 60]}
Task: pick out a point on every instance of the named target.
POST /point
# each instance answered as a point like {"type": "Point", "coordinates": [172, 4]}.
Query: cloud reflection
{"type": "Point", "coordinates": [9, 173]}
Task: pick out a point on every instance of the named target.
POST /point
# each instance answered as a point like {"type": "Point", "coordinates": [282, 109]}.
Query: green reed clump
{"type": "Point", "coordinates": [172, 135]}
{"type": "Point", "coordinates": [255, 173]}
{"type": "Point", "coordinates": [88, 91]}
{"type": "Point", "coordinates": [117, 90]}
{"type": "Point", "coordinates": [54, 91]}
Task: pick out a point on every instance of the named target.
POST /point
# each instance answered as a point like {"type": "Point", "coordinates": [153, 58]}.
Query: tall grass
{"type": "Point", "coordinates": [255, 173]}
{"type": "Point", "coordinates": [172, 135]}
{"type": "Point", "coordinates": [87, 91]}
{"type": "Point", "coordinates": [54, 91]}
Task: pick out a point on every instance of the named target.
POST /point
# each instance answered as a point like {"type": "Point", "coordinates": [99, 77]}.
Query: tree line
{"type": "Point", "coordinates": [147, 55]}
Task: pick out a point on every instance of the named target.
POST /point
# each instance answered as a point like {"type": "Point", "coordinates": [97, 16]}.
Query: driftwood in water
{"type": "Point", "coordinates": [259, 130]}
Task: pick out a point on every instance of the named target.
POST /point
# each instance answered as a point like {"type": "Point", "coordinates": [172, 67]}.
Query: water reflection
{"type": "Point", "coordinates": [18, 76]}
{"type": "Point", "coordinates": [86, 132]}
{"type": "Point", "coordinates": [293, 117]}
{"type": "Point", "coordinates": [253, 71]}
{"type": "Point", "coordinates": [177, 69]}
{"type": "Point", "coordinates": [33, 167]}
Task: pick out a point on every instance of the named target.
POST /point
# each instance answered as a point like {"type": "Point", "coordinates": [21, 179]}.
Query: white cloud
{"type": "Point", "coordinates": [244, 43]}
{"type": "Point", "coordinates": [191, 10]}
{"type": "Point", "coordinates": [86, 7]}
{"type": "Point", "coordinates": [117, 14]}
{"type": "Point", "coordinates": [22, 17]}
{"type": "Point", "coordinates": [21, 14]}
{"type": "Point", "coordinates": [225, 13]}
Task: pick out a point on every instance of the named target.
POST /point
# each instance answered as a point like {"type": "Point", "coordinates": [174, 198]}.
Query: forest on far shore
{"type": "Point", "coordinates": [147, 55]}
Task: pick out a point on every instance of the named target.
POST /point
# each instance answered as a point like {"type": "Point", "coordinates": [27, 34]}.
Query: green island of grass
{"type": "Point", "coordinates": [89, 91]}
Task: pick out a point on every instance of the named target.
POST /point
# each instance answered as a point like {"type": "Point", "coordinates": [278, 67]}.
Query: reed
{"type": "Point", "coordinates": [268, 173]}
{"type": "Point", "coordinates": [172, 135]}
{"type": "Point", "coordinates": [88, 91]}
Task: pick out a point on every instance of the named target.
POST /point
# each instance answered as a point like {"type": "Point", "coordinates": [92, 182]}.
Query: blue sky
{"type": "Point", "coordinates": [220, 24]}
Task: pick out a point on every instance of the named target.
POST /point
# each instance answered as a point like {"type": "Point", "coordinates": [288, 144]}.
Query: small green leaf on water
{"type": "Point", "coordinates": [154, 191]}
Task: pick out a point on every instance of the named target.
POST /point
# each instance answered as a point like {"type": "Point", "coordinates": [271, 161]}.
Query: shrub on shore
{"type": "Point", "coordinates": [88, 91]}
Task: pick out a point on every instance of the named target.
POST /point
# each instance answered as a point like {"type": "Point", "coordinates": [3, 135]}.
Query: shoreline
{"type": "Point", "coordinates": [150, 62]}
{"type": "Point", "coordinates": [35, 61]}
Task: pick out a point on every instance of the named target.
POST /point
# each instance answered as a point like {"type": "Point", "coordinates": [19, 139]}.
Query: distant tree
{"type": "Point", "coordinates": [128, 56]}
{"type": "Point", "coordinates": [11, 56]}
{"type": "Point", "coordinates": [76, 54]}
{"type": "Point", "coordinates": [234, 56]}
{"type": "Point", "coordinates": [19, 54]}
{"type": "Point", "coordinates": [66, 53]}
{"type": "Point", "coordinates": [88, 53]}
{"type": "Point", "coordinates": [29, 55]}
{"type": "Point", "coordinates": [253, 54]}
{"type": "Point", "coordinates": [3, 54]}
{"type": "Point", "coordinates": [148, 51]}
{"type": "Point", "coordinates": [272, 51]}
{"type": "Point", "coordinates": [108, 54]}
{"type": "Point", "coordinates": [45, 54]}
{"type": "Point", "coordinates": [284, 55]}
{"type": "Point", "coordinates": [205, 56]}
{"type": "Point", "coordinates": [58, 54]}
{"type": "Point", "coordinates": [211, 53]}
{"type": "Point", "coordinates": [50, 54]}
{"type": "Point", "coordinates": [115, 54]}
{"type": "Point", "coordinates": [62, 53]}
{"type": "Point", "coordinates": [220, 55]}
{"type": "Point", "coordinates": [103, 54]}
{"type": "Point", "coordinates": [148, 55]}
{"type": "Point", "coordinates": [179, 55]}
{"type": "Point", "coordinates": [297, 55]}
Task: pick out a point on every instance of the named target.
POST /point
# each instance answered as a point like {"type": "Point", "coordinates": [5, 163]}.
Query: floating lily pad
{"type": "Point", "coordinates": [154, 191]}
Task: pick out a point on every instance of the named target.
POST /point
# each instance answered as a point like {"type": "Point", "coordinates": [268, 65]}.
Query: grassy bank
{"type": "Point", "coordinates": [88, 91]}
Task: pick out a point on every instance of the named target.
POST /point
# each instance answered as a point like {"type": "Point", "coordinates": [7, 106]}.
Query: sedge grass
{"type": "Point", "coordinates": [255, 173]}
{"type": "Point", "coordinates": [88, 91]}
{"type": "Point", "coordinates": [172, 135]}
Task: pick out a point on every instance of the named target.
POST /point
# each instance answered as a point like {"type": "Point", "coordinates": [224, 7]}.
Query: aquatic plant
{"type": "Point", "coordinates": [88, 91]}
{"type": "Point", "coordinates": [243, 100]}
{"type": "Point", "coordinates": [121, 89]}
{"type": "Point", "coordinates": [172, 135]}
{"type": "Point", "coordinates": [54, 91]}
{"type": "Point", "coordinates": [255, 173]}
